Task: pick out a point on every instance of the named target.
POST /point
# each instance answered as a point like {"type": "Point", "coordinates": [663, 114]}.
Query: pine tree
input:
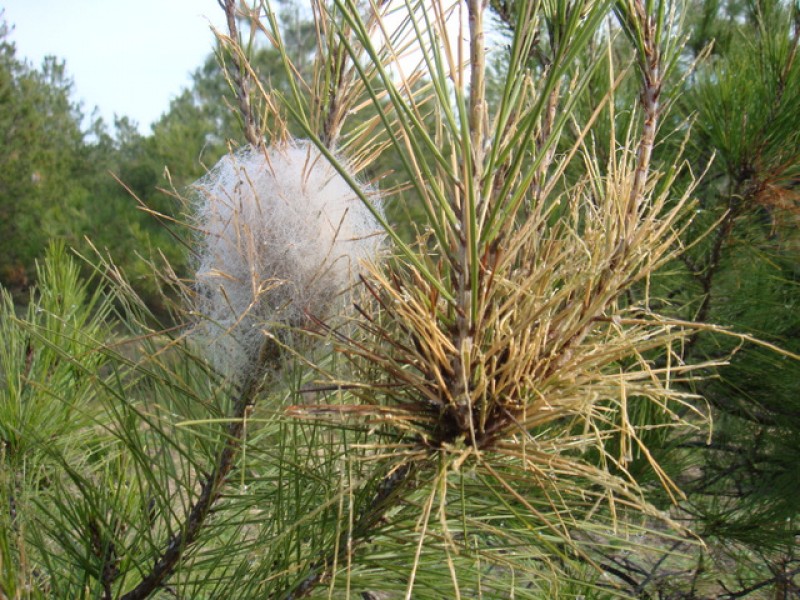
{"type": "Point", "coordinates": [500, 399]}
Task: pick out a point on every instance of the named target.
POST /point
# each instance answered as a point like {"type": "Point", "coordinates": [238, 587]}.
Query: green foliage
{"type": "Point", "coordinates": [745, 274]}
{"type": "Point", "coordinates": [39, 142]}
{"type": "Point", "coordinates": [48, 359]}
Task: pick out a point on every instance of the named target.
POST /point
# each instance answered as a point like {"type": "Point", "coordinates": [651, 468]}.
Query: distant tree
{"type": "Point", "coordinates": [40, 150]}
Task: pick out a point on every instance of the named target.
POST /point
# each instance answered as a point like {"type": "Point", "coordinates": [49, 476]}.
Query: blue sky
{"type": "Point", "coordinates": [125, 57]}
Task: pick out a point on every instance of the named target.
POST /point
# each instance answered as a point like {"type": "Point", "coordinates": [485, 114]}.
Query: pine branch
{"type": "Point", "coordinates": [477, 83]}
{"type": "Point", "coordinates": [706, 277]}
{"type": "Point", "coordinates": [106, 550]}
{"type": "Point", "coordinates": [240, 76]}
{"type": "Point", "coordinates": [211, 486]}
{"type": "Point", "coordinates": [652, 76]}
{"type": "Point", "coordinates": [335, 80]}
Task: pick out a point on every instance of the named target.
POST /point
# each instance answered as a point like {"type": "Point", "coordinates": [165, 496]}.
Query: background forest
{"type": "Point", "coordinates": [75, 487]}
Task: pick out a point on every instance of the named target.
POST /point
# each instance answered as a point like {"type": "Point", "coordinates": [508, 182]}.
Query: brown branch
{"type": "Point", "coordinates": [212, 484]}
{"type": "Point", "coordinates": [240, 76]}
{"type": "Point", "coordinates": [106, 551]}
{"type": "Point", "coordinates": [650, 65]}
{"type": "Point", "coordinates": [620, 574]}
{"type": "Point", "coordinates": [706, 271]}
{"type": "Point", "coordinates": [714, 259]}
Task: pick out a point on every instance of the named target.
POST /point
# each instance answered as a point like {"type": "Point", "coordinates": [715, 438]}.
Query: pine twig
{"type": "Point", "coordinates": [106, 551]}
{"type": "Point", "coordinates": [240, 76]}
{"type": "Point", "coordinates": [477, 83]}
{"type": "Point", "coordinates": [706, 278]}
{"type": "Point", "coordinates": [211, 486]}
{"type": "Point", "coordinates": [652, 79]}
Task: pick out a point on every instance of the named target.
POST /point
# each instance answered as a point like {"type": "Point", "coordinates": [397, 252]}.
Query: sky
{"type": "Point", "coordinates": [128, 58]}
{"type": "Point", "coordinates": [125, 57]}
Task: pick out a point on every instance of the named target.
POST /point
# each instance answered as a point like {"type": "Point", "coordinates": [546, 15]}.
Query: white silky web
{"type": "Point", "coordinates": [283, 236]}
